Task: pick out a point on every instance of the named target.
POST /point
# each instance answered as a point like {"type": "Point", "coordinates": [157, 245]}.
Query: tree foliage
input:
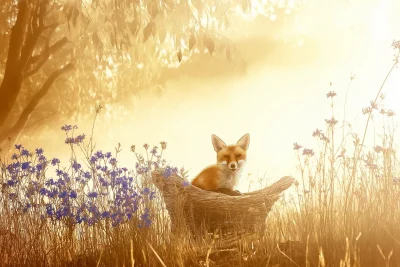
{"type": "Point", "coordinates": [62, 56]}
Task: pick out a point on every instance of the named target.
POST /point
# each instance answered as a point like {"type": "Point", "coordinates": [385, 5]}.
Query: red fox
{"type": "Point", "coordinates": [223, 176]}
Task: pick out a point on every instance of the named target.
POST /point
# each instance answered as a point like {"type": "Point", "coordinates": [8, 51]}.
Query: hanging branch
{"type": "Point", "coordinates": [25, 115]}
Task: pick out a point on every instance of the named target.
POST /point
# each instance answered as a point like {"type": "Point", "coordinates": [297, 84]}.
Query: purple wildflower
{"type": "Point", "coordinates": [146, 191]}
{"type": "Point", "coordinates": [79, 139]}
{"type": "Point", "coordinates": [63, 194]}
{"type": "Point", "coordinates": [308, 152]}
{"type": "Point", "coordinates": [69, 140]}
{"type": "Point", "coordinates": [113, 161]}
{"type": "Point", "coordinates": [317, 133]}
{"type": "Point", "coordinates": [66, 128]}
{"type": "Point", "coordinates": [25, 152]}
{"type": "Point", "coordinates": [25, 165]}
{"type": "Point", "coordinates": [87, 175]}
{"type": "Point", "coordinates": [169, 171]}
{"type": "Point", "coordinates": [390, 113]}
{"type": "Point", "coordinates": [396, 44]}
{"type": "Point", "coordinates": [55, 161]}
{"type": "Point", "coordinates": [76, 166]}
{"type": "Point", "coordinates": [154, 151]}
{"type": "Point", "coordinates": [99, 154]}
{"type": "Point", "coordinates": [332, 121]}
{"type": "Point", "coordinates": [73, 194]}
{"type": "Point", "coordinates": [331, 94]}
{"type": "Point", "coordinates": [296, 146]}
{"type": "Point", "coordinates": [92, 194]}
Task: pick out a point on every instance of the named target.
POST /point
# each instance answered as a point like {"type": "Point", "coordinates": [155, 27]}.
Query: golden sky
{"type": "Point", "coordinates": [281, 99]}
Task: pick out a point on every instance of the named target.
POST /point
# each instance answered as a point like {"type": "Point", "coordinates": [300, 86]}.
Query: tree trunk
{"type": "Point", "coordinates": [9, 90]}
{"type": "Point", "coordinates": [22, 63]}
{"type": "Point", "coordinates": [12, 81]}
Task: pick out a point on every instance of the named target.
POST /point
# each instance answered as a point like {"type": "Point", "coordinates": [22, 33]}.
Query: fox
{"type": "Point", "coordinates": [223, 176]}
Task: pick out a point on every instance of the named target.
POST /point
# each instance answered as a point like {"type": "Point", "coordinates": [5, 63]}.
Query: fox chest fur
{"type": "Point", "coordinates": [217, 176]}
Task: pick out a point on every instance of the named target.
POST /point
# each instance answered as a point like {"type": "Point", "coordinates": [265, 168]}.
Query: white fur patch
{"type": "Point", "coordinates": [223, 162]}
{"type": "Point", "coordinates": [230, 177]}
{"type": "Point", "coordinates": [241, 162]}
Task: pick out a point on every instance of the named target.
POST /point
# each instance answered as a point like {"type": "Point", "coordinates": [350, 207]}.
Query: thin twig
{"type": "Point", "coordinates": [283, 253]}
{"type": "Point", "coordinates": [155, 253]}
{"type": "Point", "coordinates": [132, 259]}
{"type": "Point", "coordinates": [98, 262]}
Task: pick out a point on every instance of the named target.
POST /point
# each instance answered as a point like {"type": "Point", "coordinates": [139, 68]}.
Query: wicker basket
{"type": "Point", "coordinates": [195, 209]}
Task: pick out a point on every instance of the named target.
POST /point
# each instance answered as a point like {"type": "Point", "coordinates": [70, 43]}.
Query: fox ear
{"type": "Point", "coordinates": [244, 141]}
{"type": "Point", "coordinates": [217, 143]}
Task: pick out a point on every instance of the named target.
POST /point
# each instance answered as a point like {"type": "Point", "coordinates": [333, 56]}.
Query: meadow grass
{"type": "Point", "coordinates": [93, 212]}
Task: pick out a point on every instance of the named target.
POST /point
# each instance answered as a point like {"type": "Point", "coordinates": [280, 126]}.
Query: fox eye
{"type": "Point", "coordinates": [226, 156]}
{"type": "Point", "coordinates": [238, 155]}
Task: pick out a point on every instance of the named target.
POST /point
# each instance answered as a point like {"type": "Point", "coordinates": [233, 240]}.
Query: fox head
{"type": "Point", "coordinates": [232, 156]}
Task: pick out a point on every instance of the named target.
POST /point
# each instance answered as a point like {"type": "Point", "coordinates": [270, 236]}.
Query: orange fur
{"type": "Point", "coordinates": [226, 172]}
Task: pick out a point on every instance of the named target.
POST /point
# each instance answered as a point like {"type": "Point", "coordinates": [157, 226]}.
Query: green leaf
{"type": "Point", "coordinates": [199, 5]}
{"type": "Point", "coordinates": [147, 31]}
{"type": "Point", "coordinates": [75, 15]}
{"type": "Point", "coordinates": [162, 34]}
{"type": "Point", "coordinates": [192, 41]}
{"type": "Point", "coordinates": [112, 39]}
{"type": "Point", "coordinates": [226, 21]}
{"type": "Point", "coordinates": [246, 5]}
{"type": "Point", "coordinates": [152, 8]}
{"type": "Point", "coordinates": [68, 11]}
{"type": "Point", "coordinates": [134, 27]}
{"type": "Point", "coordinates": [179, 55]}
{"type": "Point", "coordinates": [95, 39]}
{"type": "Point", "coordinates": [228, 53]}
{"type": "Point", "coordinates": [210, 45]}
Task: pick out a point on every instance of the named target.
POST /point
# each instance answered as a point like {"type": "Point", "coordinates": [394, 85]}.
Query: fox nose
{"type": "Point", "coordinates": [233, 165]}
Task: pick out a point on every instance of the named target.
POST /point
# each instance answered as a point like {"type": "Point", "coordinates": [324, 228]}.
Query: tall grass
{"type": "Point", "coordinates": [93, 212]}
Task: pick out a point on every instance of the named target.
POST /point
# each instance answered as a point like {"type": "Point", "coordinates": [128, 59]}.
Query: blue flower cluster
{"type": "Point", "coordinates": [101, 191]}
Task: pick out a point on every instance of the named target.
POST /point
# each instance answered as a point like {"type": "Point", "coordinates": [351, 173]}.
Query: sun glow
{"type": "Point", "coordinates": [380, 26]}
{"type": "Point", "coordinates": [282, 98]}
{"type": "Point", "coordinates": [266, 8]}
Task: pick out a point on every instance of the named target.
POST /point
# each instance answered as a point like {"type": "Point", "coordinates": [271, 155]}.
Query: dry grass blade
{"type": "Point", "coordinates": [132, 259]}
{"type": "Point", "coordinates": [286, 256]}
{"type": "Point", "coordinates": [210, 248]}
{"type": "Point", "coordinates": [155, 253]}
{"type": "Point", "coordinates": [98, 262]}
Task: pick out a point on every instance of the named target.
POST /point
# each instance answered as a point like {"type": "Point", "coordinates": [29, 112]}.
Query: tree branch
{"type": "Point", "coordinates": [36, 29]}
{"type": "Point", "coordinates": [25, 115]}
{"type": "Point", "coordinates": [35, 59]}
{"type": "Point", "coordinates": [44, 56]}
{"type": "Point", "coordinates": [42, 119]}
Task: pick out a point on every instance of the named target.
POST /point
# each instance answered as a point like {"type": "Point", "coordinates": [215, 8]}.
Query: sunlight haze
{"type": "Point", "coordinates": [280, 100]}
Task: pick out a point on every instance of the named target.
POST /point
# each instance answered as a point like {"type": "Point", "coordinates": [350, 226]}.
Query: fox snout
{"type": "Point", "coordinates": [233, 166]}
